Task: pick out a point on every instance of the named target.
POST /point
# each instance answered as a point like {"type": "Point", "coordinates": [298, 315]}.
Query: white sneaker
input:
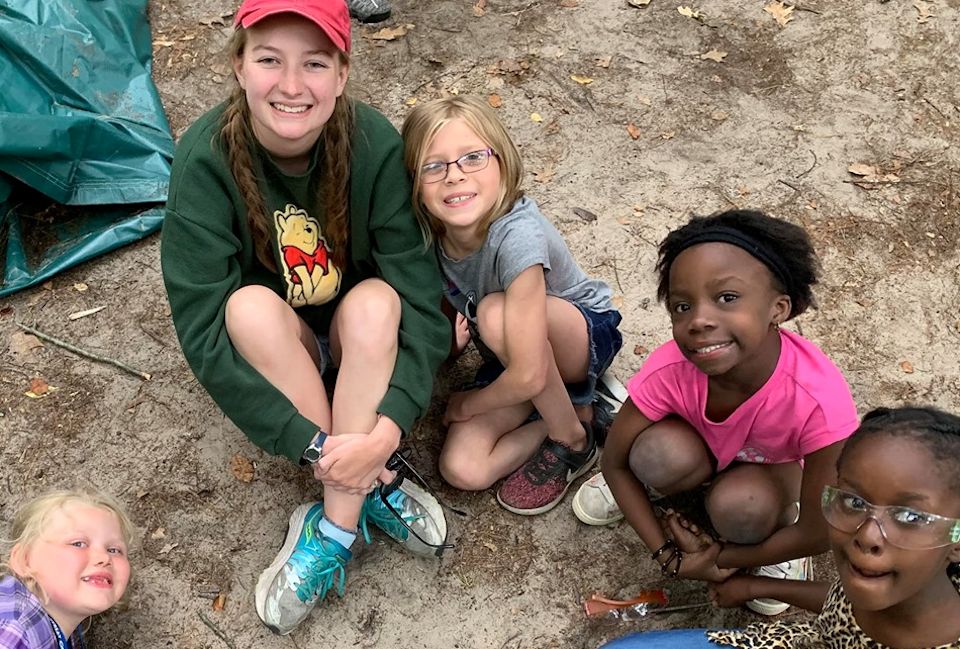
{"type": "Point", "coordinates": [594, 504]}
{"type": "Point", "coordinates": [797, 569]}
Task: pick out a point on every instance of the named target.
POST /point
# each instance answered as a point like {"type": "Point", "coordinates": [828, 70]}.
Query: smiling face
{"type": "Point", "coordinates": [723, 305]}
{"type": "Point", "coordinates": [461, 201]}
{"type": "Point", "coordinates": [890, 470]}
{"type": "Point", "coordinates": [80, 563]}
{"type": "Point", "coordinates": [292, 75]}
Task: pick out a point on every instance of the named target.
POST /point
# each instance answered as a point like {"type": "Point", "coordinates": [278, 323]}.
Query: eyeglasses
{"type": "Point", "coordinates": [468, 163]}
{"type": "Point", "coordinates": [399, 463]}
{"type": "Point", "coordinates": [903, 527]}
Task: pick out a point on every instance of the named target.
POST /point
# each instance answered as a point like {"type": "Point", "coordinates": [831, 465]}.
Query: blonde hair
{"type": "Point", "coordinates": [333, 193]}
{"type": "Point", "coordinates": [422, 125]}
{"type": "Point", "coordinates": [32, 520]}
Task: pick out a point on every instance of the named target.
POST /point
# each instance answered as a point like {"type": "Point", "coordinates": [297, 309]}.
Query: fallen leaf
{"type": "Point", "coordinates": [158, 533]}
{"type": "Point", "coordinates": [583, 81]}
{"type": "Point", "coordinates": [22, 344]}
{"type": "Point", "coordinates": [862, 169]}
{"type": "Point", "coordinates": [480, 8]}
{"type": "Point", "coordinates": [5, 311]}
{"type": "Point", "coordinates": [536, 117]}
{"type": "Point", "coordinates": [569, 4]}
{"type": "Point", "coordinates": [873, 174]}
{"type": "Point", "coordinates": [667, 135]}
{"type": "Point", "coordinates": [906, 366]}
{"type": "Point", "coordinates": [639, 4]}
{"type": "Point", "coordinates": [713, 55]}
{"type": "Point", "coordinates": [241, 468]}
{"type": "Point", "coordinates": [640, 350]}
{"type": "Point", "coordinates": [80, 287]}
{"type": "Point", "coordinates": [495, 101]}
{"type": "Point", "coordinates": [624, 220]}
{"type": "Point", "coordinates": [782, 13]}
{"type": "Point", "coordinates": [633, 130]}
{"type": "Point", "coordinates": [586, 215]}
{"type": "Point", "coordinates": [639, 209]}
{"type": "Point", "coordinates": [690, 12]}
{"type": "Point", "coordinates": [490, 546]}
{"type": "Point", "coordinates": [389, 33]}
{"type": "Point", "coordinates": [39, 387]}
{"type": "Point", "coordinates": [84, 314]}
{"type": "Point", "coordinates": [643, 100]}
{"type": "Point", "coordinates": [160, 43]}
{"type": "Point", "coordinates": [552, 127]}
{"type": "Point", "coordinates": [219, 602]}
{"type": "Point", "coordinates": [925, 12]}
{"type": "Point", "coordinates": [718, 115]}
{"type": "Point", "coordinates": [603, 61]}
{"type": "Point", "coordinates": [412, 101]}
{"type": "Point", "coordinates": [166, 549]}
{"type": "Point", "coordinates": [545, 175]}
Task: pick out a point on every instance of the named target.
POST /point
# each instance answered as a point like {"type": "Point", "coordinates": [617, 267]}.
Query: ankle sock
{"type": "Point", "coordinates": [340, 535]}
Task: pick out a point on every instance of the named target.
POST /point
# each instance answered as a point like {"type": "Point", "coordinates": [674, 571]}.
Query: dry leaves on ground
{"type": "Point", "coordinates": [582, 80]}
{"type": "Point", "coordinates": [39, 389]}
{"type": "Point", "coordinates": [495, 101]}
{"type": "Point", "coordinates": [586, 215]}
{"type": "Point", "coordinates": [545, 175]}
{"type": "Point", "coordinates": [713, 55]}
{"type": "Point", "coordinates": [907, 367]}
{"type": "Point", "coordinates": [480, 8]}
{"type": "Point", "coordinates": [241, 468]}
{"type": "Point", "coordinates": [536, 117]}
{"type": "Point", "coordinates": [638, 3]}
{"type": "Point", "coordinates": [868, 173]}
{"type": "Point", "coordinates": [690, 12]}
{"type": "Point", "coordinates": [924, 11]}
{"type": "Point", "coordinates": [782, 13]}
{"type": "Point", "coordinates": [603, 61]}
{"type": "Point", "coordinates": [390, 33]}
{"type": "Point", "coordinates": [633, 130]}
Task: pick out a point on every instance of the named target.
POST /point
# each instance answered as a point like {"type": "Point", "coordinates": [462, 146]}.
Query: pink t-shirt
{"type": "Point", "coordinates": [803, 407]}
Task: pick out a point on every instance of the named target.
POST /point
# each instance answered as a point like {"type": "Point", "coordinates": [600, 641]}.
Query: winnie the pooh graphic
{"type": "Point", "coordinates": [310, 274]}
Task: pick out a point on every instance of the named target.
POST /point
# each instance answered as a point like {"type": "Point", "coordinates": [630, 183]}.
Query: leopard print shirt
{"type": "Point", "coordinates": [834, 628]}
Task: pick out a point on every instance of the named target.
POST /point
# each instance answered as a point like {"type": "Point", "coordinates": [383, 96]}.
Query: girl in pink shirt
{"type": "Point", "coordinates": [759, 412]}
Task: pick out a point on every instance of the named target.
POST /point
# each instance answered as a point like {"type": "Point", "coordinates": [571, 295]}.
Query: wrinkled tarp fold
{"type": "Point", "coordinates": [80, 122]}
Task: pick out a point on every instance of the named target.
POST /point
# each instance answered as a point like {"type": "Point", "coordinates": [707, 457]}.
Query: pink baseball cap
{"type": "Point", "coordinates": [331, 16]}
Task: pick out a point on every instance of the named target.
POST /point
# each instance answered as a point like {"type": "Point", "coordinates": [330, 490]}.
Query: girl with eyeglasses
{"type": "Point", "coordinates": [894, 526]}
{"type": "Point", "coordinates": [546, 329]}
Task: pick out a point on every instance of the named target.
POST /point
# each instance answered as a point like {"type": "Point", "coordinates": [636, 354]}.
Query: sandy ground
{"type": "Point", "coordinates": [663, 130]}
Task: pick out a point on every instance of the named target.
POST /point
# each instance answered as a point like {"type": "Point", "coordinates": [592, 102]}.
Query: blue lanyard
{"type": "Point", "coordinates": [62, 641]}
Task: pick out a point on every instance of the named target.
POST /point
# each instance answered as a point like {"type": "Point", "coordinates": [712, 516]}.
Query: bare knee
{"type": "Point", "coordinates": [669, 456]}
{"type": "Point", "coordinates": [368, 319]}
{"type": "Point", "coordinates": [490, 322]}
{"type": "Point", "coordinates": [743, 510]}
{"type": "Point", "coordinates": [253, 310]}
{"type": "Point", "coordinates": [464, 472]}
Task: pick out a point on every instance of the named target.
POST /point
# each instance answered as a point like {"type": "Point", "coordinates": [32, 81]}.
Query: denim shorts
{"type": "Point", "coordinates": [605, 342]}
{"type": "Point", "coordinates": [326, 356]}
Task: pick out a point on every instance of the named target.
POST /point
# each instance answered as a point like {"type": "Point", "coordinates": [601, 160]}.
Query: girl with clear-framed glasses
{"type": "Point", "coordinates": [894, 519]}
{"type": "Point", "coordinates": [546, 330]}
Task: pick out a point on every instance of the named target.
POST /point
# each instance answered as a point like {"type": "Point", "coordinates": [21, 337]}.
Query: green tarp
{"type": "Point", "coordinates": [85, 148]}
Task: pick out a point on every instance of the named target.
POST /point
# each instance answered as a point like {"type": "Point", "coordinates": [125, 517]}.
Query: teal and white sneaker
{"type": "Point", "coordinates": [418, 523]}
{"type": "Point", "coordinates": [308, 565]}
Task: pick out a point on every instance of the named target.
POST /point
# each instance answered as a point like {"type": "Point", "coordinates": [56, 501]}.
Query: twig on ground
{"type": "Point", "coordinates": [811, 166]}
{"type": "Point", "coordinates": [807, 9]}
{"type": "Point", "coordinates": [216, 631]}
{"type": "Point", "coordinates": [790, 185]}
{"type": "Point", "coordinates": [82, 352]}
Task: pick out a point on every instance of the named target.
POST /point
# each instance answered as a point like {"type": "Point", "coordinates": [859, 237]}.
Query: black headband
{"type": "Point", "coordinates": [763, 253]}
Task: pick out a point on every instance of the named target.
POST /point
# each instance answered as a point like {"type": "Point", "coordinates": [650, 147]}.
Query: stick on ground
{"type": "Point", "coordinates": [82, 352]}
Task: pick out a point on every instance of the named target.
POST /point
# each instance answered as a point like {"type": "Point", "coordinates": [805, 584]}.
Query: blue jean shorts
{"type": "Point", "coordinates": [605, 342]}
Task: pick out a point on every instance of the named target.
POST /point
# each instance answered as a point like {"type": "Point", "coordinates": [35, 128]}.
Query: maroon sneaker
{"type": "Point", "coordinates": [541, 483]}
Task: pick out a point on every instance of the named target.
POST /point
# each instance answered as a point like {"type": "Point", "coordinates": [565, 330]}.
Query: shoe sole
{"type": "Point", "coordinates": [767, 606]}
{"type": "Point", "coordinates": [373, 18]}
{"type": "Point", "coordinates": [587, 518]}
{"type": "Point", "coordinates": [296, 522]}
{"type": "Point", "coordinates": [545, 508]}
{"type": "Point", "coordinates": [430, 503]}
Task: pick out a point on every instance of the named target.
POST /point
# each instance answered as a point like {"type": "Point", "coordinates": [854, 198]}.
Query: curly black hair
{"type": "Point", "coordinates": [789, 243]}
{"type": "Point", "coordinates": [936, 430]}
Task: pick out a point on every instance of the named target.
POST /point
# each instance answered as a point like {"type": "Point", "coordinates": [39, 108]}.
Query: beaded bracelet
{"type": "Point", "coordinates": [675, 555]}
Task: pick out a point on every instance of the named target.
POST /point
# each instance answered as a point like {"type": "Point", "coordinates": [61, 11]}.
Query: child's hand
{"type": "Point", "coordinates": [703, 565]}
{"type": "Point", "coordinates": [732, 592]}
{"type": "Point", "coordinates": [687, 536]}
{"type": "Point", "coordinates": [352, 463]}
{"type": "Point", "coordinates": [456, 408]}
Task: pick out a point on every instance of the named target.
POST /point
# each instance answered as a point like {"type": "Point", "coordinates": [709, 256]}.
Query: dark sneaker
{"type": "Point", "coordinates": [307, 567]}
{"type": "Point", "coordinates": [610, 395]}
{"type": "Point", "coordinates": [409, 515]}
{"type": "Point", "coordinates": [369, 11]}
{"type": "Point", "coordinates": [541, 483]}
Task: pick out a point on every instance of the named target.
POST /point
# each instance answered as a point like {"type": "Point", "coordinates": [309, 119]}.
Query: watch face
{"type": "Point", "coordinates": [311, 455]}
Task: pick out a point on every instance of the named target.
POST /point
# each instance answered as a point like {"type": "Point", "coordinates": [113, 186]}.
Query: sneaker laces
{"type": "Point", "coordinates": [317, 571]}
{"type": "Point", "coordinates": [374, 511]}
{"type": "Point", "coordinates": [546, 467]}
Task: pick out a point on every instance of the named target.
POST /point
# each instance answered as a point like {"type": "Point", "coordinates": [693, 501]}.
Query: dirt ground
{"type": "Point", "coordinates": [638, 115]}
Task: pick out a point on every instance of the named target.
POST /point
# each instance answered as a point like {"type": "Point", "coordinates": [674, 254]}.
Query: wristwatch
{"type": "Point", "coordinates": [314, 450]}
